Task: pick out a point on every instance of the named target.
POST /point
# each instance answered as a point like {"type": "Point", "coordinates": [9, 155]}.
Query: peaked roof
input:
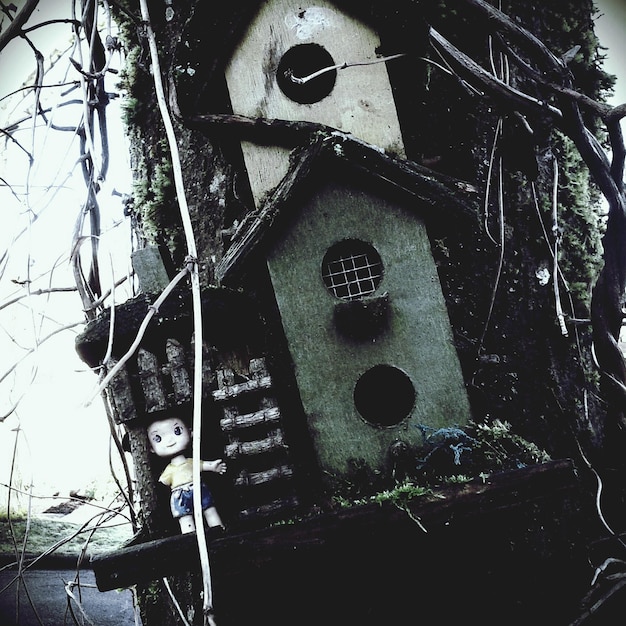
{"type": "Point", "coordinates": [213, 31]}
{"type": "Point", "coordinates": [430, 189]}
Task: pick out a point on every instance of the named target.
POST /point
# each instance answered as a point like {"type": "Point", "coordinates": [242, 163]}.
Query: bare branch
{"type": "Point", "coordinates": [496, 88]}
{"type": "Point", "coordinates": [48, 23]}
{"type": "Point", "coordinates": [31, 159]}
{"type": "Point", "coordinates": [499, 21]}
{"type": "Point", "coordinates": [38, 292]}
{"type": "Point", "coordinates": [14, 29]}
{"type": "Point", "coordinates": [196, 307]}
{"type": "Point", "coordinates": [340, 66]}
{"type": "Point", "coordinates": [152, 310]}
{"type": "Point", "coordinates": [107, 293]}
{"type": "Point", "coordinates": [32, 350]}
{"type": "Point", "coordinates": [28, 87]}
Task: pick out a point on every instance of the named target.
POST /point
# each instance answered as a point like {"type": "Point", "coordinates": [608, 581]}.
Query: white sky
{"type": "Point", "coordinates": [63, 444]}
{"type": "Point", "coordinates": [67, 442]}
{"type": "Point", "coordinates": [611, 30]}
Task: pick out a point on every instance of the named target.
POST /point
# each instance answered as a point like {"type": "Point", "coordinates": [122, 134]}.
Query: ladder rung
{"type": "Point", "coordinates": [251, 479]}
{"type": "Point", "coordinates": [247, 420]}
{"type": "Point", "coordinates": [232, 391]}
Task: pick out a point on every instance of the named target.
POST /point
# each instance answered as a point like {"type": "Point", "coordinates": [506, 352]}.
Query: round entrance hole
{"type": "Point", "coordinates": [302, 61]}
{"type": "Point", "coordinates": [384, 395]}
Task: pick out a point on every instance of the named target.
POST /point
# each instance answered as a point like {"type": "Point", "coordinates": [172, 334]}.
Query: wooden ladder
{"type": "Point", "coordinates": [256, 447]}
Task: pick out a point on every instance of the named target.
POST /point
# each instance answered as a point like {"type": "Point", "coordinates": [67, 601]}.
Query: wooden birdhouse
{"type": "Point", "coordinates": [351, 269]}
{"type": "Point", "coordinates": [269, 76]}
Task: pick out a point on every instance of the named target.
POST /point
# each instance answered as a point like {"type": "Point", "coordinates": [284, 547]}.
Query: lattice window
{"type": "Point", "coordinates": [352, 269]}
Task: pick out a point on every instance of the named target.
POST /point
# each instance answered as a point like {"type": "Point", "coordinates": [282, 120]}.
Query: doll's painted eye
{"type": "Point", "coordinates": [178, 430]}
{"type": "Point", "coordinates": [157, 438]}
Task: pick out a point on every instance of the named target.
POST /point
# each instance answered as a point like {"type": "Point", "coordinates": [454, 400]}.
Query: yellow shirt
{"type": "Point", "coordinates": [176, 475]}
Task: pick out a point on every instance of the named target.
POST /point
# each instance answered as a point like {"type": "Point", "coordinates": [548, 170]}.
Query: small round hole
{"type": "Point", "coordinates": [299, 62]}
{"type": "Point", "coordinates": [384, 395]}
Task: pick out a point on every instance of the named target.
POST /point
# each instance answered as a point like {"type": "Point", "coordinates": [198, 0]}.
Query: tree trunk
{"type": "Point", "coordinates": [521, 324]}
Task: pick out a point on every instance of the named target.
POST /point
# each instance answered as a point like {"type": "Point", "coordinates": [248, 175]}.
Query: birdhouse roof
{"type": "Point", "coordinates": [424, 191]}
{"type": "Point", "coordinates": [212, 34]}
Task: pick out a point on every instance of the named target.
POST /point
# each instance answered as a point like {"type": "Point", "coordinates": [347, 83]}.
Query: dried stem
{"type": "Point", "coordinates": [197, 313]}
{"type": "Point", "coordinates": [339, 66]}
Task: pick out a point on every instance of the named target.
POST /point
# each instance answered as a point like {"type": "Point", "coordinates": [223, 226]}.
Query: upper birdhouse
{"type": "Point", "coordinates": [288, 66]}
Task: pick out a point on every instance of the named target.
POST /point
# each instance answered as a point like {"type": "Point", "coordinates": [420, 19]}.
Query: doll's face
{"type": "Point", "coordinates": [169, 437]}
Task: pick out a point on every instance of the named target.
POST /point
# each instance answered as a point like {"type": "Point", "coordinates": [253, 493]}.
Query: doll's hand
{"type": "Point", "coordinates": [218, 466]}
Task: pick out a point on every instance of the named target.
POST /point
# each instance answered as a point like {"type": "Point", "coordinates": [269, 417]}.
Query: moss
{"type": "Point", "coordinates": [581, 223]}
{"type": "Point", "coordinates": [474, 451]}
{"type": "Point", "coordinates": [399, 495]}
{"type": "Point", "coordinates": [402, 494]}
{"type": "Point", "coordinates": [448, 456]}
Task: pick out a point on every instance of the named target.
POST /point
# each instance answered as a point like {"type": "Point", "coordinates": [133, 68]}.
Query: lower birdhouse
{"type": "Point", "coordinates": [362, 312]}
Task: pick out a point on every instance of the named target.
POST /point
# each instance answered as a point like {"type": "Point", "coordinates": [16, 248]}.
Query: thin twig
{"type": "Point", "coordinates": [108, 292]}
{"type": "Point", "coordinates": [32, 350]}
{"type": "Point", "coordinates": [14, 29]}
{"type": "Point", "coordinates": [492, 157]}
{"type": "Point", "coordinates": [557, 237]}
{"type": "Point", "coordinates": [85, 527]}
{"type": "Point", "coordinates": [37, 292]}
{"type": "Point", "coordinates": [175, 602]}
{"type": "Point", "coordinates": [339, 66]}
{"type": "Point", "coordinates": [127, 494]}
{"type": "Point", "coordinates": [496, 283]}
{"type": "Point", "coordinates": [192, 265]}
{"type": "Point", "coordinates": [69, 590]}
{"type": "Point", "coordinates": [152, 310]}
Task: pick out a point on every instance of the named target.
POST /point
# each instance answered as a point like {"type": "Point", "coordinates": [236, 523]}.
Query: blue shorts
{"type": "Point", "coordinates": [181, 501]}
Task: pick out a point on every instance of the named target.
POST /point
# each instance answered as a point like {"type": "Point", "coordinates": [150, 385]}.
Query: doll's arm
{"type": "Point", "coordinates": [218, 466]}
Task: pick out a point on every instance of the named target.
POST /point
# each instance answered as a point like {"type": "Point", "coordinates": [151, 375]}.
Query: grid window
{"type": "Point", "coordinates": [352, 269]}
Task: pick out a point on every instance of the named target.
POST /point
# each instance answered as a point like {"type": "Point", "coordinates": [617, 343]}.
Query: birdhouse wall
{"type": "Point", "coordinates": [415, 337]}
{"type": "Point", "coordinates": [360, 100]}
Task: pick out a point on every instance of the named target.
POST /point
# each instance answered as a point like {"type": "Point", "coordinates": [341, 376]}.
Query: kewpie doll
{"type": "Point", "coordinates": [169, 438]}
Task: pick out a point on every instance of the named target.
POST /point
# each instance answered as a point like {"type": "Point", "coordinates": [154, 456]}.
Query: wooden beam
{"type": "Point", "coordinates": [234, 553]}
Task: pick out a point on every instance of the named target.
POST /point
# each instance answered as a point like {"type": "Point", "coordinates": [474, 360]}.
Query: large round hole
{"type": "Point", "coordinates": [302, 61]}
{"type": "Point", "coordinates": [384, 395]}
{"type": "Point", "coordinates": [352, 269]}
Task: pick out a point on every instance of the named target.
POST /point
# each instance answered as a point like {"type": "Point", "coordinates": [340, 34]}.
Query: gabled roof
{"type": "Point", "coordinates": [429, 189]}
{"type": "Point", "coordinates": [212, 33]}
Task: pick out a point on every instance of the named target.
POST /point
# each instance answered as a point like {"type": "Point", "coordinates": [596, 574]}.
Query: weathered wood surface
{"type": "Point", "coordinates": [259, 478]}
{"type": "Point", "coordinates": [177, 369]}
{"type": "Point", "coordinates": [256, 443]}
{"type": "Point", "coordinates": [253, 230]}
{"type": "Point", "coordinates": [226, 314]}
{"type": "Point", "coordinates": [270, 509]}
{"type": "Point", "coordinates": [245, 387]}
{"type": "Point", "coordinates": [150, 269]}
{"type": "Point", "coordinates": [431, 190]}
{"type": "Point", "coordinates": [151, 382]}
{"type": "Point", "coordinates": [237, 553]}
{"type": "Point", "coordinates": [360, 101]}
{"type": "Point", "coordinates": [439, 191]}
{"type": "Point", "coordinates": [120, 394]}
{"type": "Point", "coordinates": [162, 384]}
{"type": "Point", "coordinates": [274, 441]}
{"type": "Point", "coordinates": [249, 420]}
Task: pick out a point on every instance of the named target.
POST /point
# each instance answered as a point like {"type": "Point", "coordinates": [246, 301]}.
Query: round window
{"type": "Point", "coordinates": [352, 269]}
{"type": "Point", "coordinates": [295, 70]}
{"type": "Point", "coordinates": [384, 395]}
